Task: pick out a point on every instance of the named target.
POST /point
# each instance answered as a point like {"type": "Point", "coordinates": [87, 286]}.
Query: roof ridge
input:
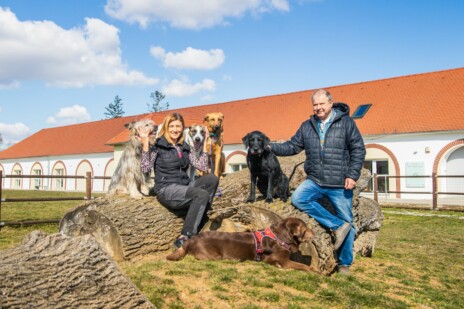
{"type": "Point", "coordinates": [396, 77]}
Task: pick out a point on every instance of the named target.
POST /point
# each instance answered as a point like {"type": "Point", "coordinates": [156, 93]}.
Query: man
{"type": "Point", "coordinates": [335, 154]}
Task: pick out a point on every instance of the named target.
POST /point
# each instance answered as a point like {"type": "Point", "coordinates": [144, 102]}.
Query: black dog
{"type": "Point", "coordinates": [264, 169]}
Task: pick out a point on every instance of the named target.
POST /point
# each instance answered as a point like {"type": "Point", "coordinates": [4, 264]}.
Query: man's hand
{"type": "Point", "coordinates": [349, 184]}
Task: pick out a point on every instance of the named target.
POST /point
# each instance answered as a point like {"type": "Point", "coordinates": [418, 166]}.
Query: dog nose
{"type": "Point", "coordinates": [197, 139]}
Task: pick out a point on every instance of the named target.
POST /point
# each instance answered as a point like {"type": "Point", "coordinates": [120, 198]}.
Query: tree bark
{"type": "Point", "coordinates": [129, 229]}
{"type": "Point", "coordinates": [56, 271]}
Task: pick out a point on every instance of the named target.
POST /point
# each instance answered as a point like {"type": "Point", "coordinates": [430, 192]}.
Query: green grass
{"type": "Point", "coordinates": [10, 236]}
{"type": "Point", "coordinates": [418, 263]}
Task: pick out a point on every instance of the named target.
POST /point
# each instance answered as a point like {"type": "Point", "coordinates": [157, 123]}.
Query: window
{"type": "Point", "coordinates": [17, 181]}
{"type": "Point", "coordinates": [361, 111]}
{"type": "Point", "coordinates": [237, 167]}
{"type": "Point", "coordinates": [37, 181]}
{"type": "Point", "coordinates": [379, 167]}
{"type": "Point", "coordinates": [59, 181]}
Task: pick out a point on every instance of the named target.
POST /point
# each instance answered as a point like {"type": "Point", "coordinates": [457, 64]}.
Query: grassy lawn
{"type": "Point", "coordinates": [25, 211]}
{"type": "Point", "coordinates": [418, 263]}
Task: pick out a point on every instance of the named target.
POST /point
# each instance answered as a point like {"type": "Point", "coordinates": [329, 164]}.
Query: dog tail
{"type": "Point", "coordinates": [294, 170]}
{"type": "Point", "coordinates": [177, 255]}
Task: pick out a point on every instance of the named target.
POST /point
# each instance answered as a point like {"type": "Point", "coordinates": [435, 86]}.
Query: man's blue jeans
{"type": "Point", "coordinates": [305, 199]}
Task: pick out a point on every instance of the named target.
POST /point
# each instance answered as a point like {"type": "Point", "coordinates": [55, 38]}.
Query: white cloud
{"type": "Point", "coordinates": [190, 58]}
{"type": "Point", "coordinates": [183, 88]}
{"type": "Point", "coordinates": [187, 13]}
{"type": "Point", "coordinates": [13, 133]}
{"type": "Point", "coordinates": [41, 50]}
{"type": "Point", "coordinates": [70, 115]}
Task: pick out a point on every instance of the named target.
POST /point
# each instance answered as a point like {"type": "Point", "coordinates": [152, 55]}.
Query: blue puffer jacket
{"type": "Point", "coordinates": [344, 150]}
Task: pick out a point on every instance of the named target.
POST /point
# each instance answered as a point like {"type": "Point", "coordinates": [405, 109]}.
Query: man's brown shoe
{"type": "Point", "coordinates": [340, 234]}
{"type": "Point", "coordinates": [344, 270]}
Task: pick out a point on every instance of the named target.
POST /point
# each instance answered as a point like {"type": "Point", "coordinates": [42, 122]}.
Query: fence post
{"type": "Point", "coordinates": [1, 185]}
{"type": "Point", "coordinates": [88, 186]}
{"type": "Point", "coordinates": [434, 191]}
{"type": "Point", "coordinates": [376, 193]}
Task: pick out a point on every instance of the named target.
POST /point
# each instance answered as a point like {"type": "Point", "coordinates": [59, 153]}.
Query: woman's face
{"type": "Point", "coordinates": [175, 130]}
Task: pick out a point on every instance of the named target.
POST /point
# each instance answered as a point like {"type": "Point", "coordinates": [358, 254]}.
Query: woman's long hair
{"type": "Point", "coordinates": [164, 130]}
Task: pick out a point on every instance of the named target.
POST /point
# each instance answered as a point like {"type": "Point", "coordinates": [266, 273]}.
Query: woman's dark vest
{"type": "Point", "coordinates": [170, 166]}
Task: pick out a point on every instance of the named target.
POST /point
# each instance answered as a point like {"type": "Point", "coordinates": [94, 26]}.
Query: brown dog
{"type": "Point", "coordinates": [214, 142]}
{"type": "Point", "coordinates": [273, 245]}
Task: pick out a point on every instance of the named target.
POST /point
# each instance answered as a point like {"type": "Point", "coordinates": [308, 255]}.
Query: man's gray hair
{"type": "Point", "coordinates": [321, 91]}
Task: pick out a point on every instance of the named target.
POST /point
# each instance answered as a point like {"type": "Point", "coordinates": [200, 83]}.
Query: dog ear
{"type": "Point", "coordinates": [267, 142]}
{"type": "Point", "coordinates": [130, 125]}
{"type": "Point", "coordinates": [245, 139]}
{"type": "Point", "coordinates": [299, 230]}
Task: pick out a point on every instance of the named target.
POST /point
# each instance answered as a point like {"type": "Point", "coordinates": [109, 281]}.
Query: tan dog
{"type": "Point", "coordinates": [214, 142]}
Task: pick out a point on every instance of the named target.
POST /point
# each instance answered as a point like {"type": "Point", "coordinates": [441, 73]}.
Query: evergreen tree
{"type": "Point", "coordinates": [156, 105]}
{"type": "Point", "coordinates": [114, 110]}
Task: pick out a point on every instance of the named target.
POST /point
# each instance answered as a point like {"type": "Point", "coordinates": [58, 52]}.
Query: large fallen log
{"type": "Point", "coordinates": [57, 271]}
{"type": "Point", "coordinates": [129, 229]}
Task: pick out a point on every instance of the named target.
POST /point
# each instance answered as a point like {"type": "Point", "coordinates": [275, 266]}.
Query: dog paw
{"type": "Point", "coordinates": [136, 196]}
{"type": "Point", "coordinates": [145, 190]}
{"type": "Point", "coordinates": [251, 200]}
{"type": "Point", "coordinates": [269, 200]}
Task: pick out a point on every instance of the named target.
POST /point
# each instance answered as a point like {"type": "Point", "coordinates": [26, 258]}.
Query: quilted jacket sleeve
{"type": "Point", "coordinates": [292, 147]}
{"type": "Point", "coordinates": [357, 151]}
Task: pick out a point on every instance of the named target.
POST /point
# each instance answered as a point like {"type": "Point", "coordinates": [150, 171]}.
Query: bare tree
{"type": "Point", "coordinates": [156, 104]}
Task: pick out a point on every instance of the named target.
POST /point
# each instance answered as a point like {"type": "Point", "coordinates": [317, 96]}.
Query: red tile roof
{"type": "Point", "coordinates": [425, 102]}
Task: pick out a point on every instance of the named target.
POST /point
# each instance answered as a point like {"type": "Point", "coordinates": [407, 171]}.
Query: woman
{"type": "Point", "coordinates": [171, 156]}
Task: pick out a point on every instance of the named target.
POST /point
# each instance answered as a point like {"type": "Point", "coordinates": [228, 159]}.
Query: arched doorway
{"type": "Point", "coordinates": [17, 183]}
{"type": "Point", "coordinates": [58, 183]}
{"type": "Point", "coordinates": [381, 161]}
{"type": "Point", "coordinates": [82, 169]}
{"type": "Point", "coordinates": [236, 161]}
{"type": "Point", "coordinates": [455, 166]}
{"type": "Point", "coordinates": [37, 170]}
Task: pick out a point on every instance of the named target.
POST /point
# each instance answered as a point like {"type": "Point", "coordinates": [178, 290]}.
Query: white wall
{"type": "Point", "coordinates": [99, 162]}
{"type": "Point", "coordinates": [408, 150]}
{"type": "Point", "coordinates": [412, 152]}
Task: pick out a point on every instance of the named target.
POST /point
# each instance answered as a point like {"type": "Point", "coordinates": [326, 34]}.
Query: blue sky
{"type": "Point", "coordinates": [63, 62]}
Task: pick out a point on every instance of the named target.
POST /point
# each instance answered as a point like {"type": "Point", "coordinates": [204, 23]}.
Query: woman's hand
{"type": "Point", "coordinates": [142, 136]}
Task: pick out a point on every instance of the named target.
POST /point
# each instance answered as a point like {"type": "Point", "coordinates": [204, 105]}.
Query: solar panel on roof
{"type": "Point", "coordinates": [361, 111]}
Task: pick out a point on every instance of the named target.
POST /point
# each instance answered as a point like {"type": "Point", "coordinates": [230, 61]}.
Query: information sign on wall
{"type": "Point", "coordinates": [415, 169]}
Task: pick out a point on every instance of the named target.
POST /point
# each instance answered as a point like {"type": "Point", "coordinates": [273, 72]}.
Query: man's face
{"type": "Point", "coordinates": [322, 106]}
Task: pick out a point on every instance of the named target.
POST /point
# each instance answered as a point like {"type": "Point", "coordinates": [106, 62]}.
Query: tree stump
{"type": "Point", "coordinates": [57, 271]}
{"type": "Point", "coordinates": [129, 229]}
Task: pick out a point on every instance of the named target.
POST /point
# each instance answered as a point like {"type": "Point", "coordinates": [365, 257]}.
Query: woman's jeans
{"type": "Point", "coordinates": [305, 199]}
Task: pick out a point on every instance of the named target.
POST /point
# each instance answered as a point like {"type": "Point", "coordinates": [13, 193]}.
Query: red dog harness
{"type": "Point", "coordinates": [259, 235]}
